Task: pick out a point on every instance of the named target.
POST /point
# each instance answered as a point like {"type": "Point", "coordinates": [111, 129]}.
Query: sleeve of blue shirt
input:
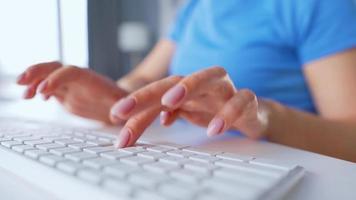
{"type": "Point", "coordinates": [325, 27]}
{"type": "Point", "coordinates": [181, 19]}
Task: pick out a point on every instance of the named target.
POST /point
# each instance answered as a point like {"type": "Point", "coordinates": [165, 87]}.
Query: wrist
{"type": "Point", "coordinates": [273, 113]}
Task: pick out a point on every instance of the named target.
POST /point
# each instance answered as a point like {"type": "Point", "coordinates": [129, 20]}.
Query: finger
{"type": "Point", "coordinates": [135, 126]}
{"type": "Point", "coordinates": [196, 117]}
{"type": "Point", "coordinates": [37, 72]}
{"type": "Point", "coordinates": [30, 92]}
{"type": "Point", "coordinates": [145, 97]}
{"type": "Point", "coordinates": [58, 78]}
{"type": "Point", "coordinates": [194, 84]}
{"type": "Point", "coordinates": [230, 112]}
{"type": "Point", "coordinates": [168, 117]}
{"type": "Point", "coordinates": [46, 97]}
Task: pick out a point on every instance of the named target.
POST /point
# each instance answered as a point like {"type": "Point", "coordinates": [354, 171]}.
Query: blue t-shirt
{"type": "Point", "coordinates": [263, 44]}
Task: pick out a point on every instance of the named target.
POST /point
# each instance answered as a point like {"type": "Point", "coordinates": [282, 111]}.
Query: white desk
{"type": "Point", "coordinates": [326, 178]}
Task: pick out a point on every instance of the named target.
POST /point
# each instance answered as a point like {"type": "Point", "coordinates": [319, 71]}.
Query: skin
{"type": "Point", "coordinates": [208, 98]}
{"type": "Point", "coordinates": [81, 91]}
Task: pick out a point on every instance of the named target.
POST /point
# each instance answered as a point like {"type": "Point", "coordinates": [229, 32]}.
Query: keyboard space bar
{"type": "Point", "coordinates": [46, 179]}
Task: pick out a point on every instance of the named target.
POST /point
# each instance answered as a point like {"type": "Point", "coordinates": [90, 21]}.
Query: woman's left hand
{"type": "Point", "coordinates": [207, 98]}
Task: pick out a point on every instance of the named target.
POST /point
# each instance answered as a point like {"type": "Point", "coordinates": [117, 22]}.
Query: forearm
{"type": "Point", "coordinates": [152, 68]}
{"type": "Point", "coordinates": [310, 132]}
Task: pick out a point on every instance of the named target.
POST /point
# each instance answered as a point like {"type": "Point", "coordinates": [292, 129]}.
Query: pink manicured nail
{"type": "Point", "coordinates": [123, 107]}
{"type": "Point", "coordinates": [173, 96]}
{"type": "Point", "coordinates": [27, 93]}
{"type": "Point", "coordinates": [164, 117]}
{"type": "Point", "coordinates": [124, 137]}
{"type": "Point", "coordinates": [215, 127]}
{"type": "Point", "coordinates": [42, 86]}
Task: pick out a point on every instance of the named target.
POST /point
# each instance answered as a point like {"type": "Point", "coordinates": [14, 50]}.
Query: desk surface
{"type": "Point", "coordinates": [326, 177]}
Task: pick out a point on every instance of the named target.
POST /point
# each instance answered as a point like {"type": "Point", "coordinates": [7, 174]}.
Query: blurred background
{"type": "Point", "coordinates": [109, 36]}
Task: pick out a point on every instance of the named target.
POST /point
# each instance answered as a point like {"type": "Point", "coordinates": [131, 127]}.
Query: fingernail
{"type": "Point", "coordinates": [27, 93]}
{"type": "Point", "coordinates": [164, 117]}
{"type": "Point", "coordinates": [215, 127]}
{"type": "Point", "coordinates": [123, 107]}
{"type": "Point", "coordinates": [42, 86]}
{"type": "Point", "coordinates": [124, 137]}
{"type": "Point", "coordinates": [173, 96]}
{"type": "Point", "coordinates": [21, 77]}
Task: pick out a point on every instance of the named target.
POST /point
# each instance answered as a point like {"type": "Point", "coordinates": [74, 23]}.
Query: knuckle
{"type": "Point", "coordinates": [72, 68]}
{"type": "Point", "coordinates": [133, 123]}
{"type": "Point", "coordinates": [175, 78]}
{"type": "Point", "coordinates": [235, 106]}
{"type": "Point", "coordinates": [219, 70]}
{"type": "Point", "coordinates": [248, 94]}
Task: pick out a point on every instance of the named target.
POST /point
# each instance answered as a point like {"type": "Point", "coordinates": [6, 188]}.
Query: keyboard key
{"type": "Point", "coordinates": [66, 141]}
{"type": "Point", "coordinates": [148, 195]}
{"type": "Point", "coordinates": [80, 138]}
{"type": "Point", "coordinates": [36, 153]}
{"type": "Point", "coordinates": [204, 158]}
{"type": "Point", "coordinates": [27, 138]}
{"type": "Point", "coordinates": [117, 186]}
{"type": "Point", "coordinates": [160, 167]}
{"type": "Point", "coordinates": [81, 146]}
{"type": "Point", "coordinates": [237, 165]}
{"type": "Point", "coordinates": [98, 163]}
{"type": "Point", "coordinates": [235, 157]}
{"type": "Point", "coordinates": [90, 175]}
{"type": "Point", "coordinates": [80, 156]}
{"type": "Point", "coordinates": [90, 136]}
{"type": "Point", "coordinates": [98, 150]}
{"type": "Point", "coordinates": [3, 139]}
{"type": "Point", "coordinates": [146, 180]}
{"type": "Point", "coordinates": [69, 167]}
{"type": "Point", "coordinates": [245, 177]}
{"type": "Point", "coordinates": [176, 190]}
{"type": "Point", "coordinates": [99, 143]}
{"type": "Point", "coordinates": [51, 160]}
{"type": "Point", "coordinates": [18, 135]}
{"type": "Point", "coordinates": [171, 145]}
{"type": "Point", "coordinates": [11, 143]}
{"type": "Point", "coordinates": [283, 165]}
{"type": "Point", "coordinates": [36, 142]}
{"type": "Point", "coordinates": [52, 138]}
{"type": "Point", "coordinates": [152, 155]}
{"type": "Point", "coordinates": [132, 150]}
{"type": "Point", "coordinates": [161, 149]}
{"type": "Point", "coordinates": [115, 155]}
{"type": "Point", "coordinates": [49, 146]}
{"type": "Point", "coordinates": [22, 148]}
{"type": "Point", "coordinates": [120, 170]}
{"type": "Point", "coordinates": [214, 196]}
{"type": "Point", "coordinates": [200, 166]}
{"type": "Point", "coordinates": [190, 176]}
{"type": "Point", "coordinates": [180, 153]}
{"type": "Point", "coordinates": [63, 151]}
{"type": "Point", "coordinates": [201, 151]}
{"type": "Point", "coordinates": [174, 160]}
{"type": "Point", "coordinates": [135, 160]}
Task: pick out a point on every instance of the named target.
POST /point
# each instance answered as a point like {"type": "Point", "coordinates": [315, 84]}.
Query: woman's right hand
{"type": "Point", "coordinates": [81, 91]}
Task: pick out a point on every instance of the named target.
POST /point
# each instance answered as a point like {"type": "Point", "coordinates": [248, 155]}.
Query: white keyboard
{"type": "Point", "coordinates": [147, 171]}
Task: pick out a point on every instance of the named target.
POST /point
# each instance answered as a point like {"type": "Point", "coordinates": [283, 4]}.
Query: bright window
{"type": "Point", "coordinates": [29, 33]}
